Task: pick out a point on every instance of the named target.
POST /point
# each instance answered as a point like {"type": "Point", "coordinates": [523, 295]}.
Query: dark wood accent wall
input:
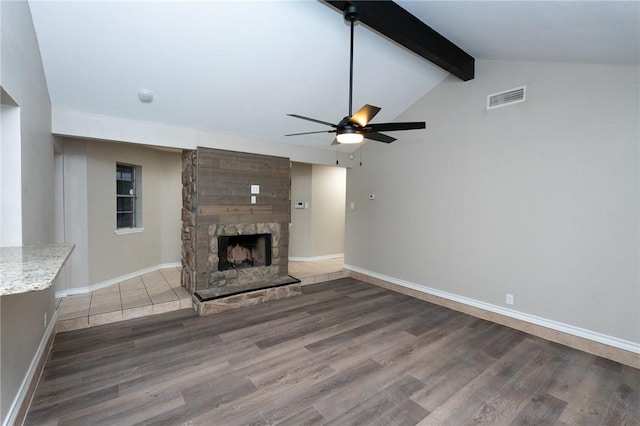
{"type": "Point", "coordinates": [223, 182]}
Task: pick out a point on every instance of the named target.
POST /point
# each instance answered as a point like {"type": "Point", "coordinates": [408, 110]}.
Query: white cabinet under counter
{"type": "Point", "coordinates": [31, 268]}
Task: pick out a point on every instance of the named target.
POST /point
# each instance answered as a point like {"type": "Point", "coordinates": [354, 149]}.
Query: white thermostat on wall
{"type": "Point", "coordinates": [299, 205]}
{"type": "Point", "coordinates": [255, 189]}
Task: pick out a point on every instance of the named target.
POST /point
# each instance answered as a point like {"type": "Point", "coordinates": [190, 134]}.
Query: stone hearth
{"type": "Point", "coordinates": [213, 301]}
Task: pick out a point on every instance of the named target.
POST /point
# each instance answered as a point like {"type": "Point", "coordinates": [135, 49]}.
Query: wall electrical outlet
{"type": "Point", "coordinates": [509, 299]}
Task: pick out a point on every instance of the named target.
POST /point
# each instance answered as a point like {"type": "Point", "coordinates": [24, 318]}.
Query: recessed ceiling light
{"type": "Point", "coordinates": [145, 96]}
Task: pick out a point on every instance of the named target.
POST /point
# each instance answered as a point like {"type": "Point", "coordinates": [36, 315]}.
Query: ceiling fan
{"type": "Point", "coordinates": [354, 128]}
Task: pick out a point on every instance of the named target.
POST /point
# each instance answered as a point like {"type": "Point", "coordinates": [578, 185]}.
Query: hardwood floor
{"type": "Point", "coordinates": [343, 353]}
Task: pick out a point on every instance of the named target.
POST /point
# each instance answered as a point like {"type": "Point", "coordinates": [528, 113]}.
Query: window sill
{"type": "Point", "coordinates": [125, 231]}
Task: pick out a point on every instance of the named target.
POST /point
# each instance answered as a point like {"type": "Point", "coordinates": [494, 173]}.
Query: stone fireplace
{"type": "Point", "coordinates": [235, 229]}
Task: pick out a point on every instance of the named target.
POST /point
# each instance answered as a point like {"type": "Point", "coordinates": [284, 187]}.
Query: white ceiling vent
{"type": "Point", "coordinates": [508, 97]}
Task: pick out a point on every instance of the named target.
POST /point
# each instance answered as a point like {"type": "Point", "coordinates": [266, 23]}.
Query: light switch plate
{"type": "Point", "coordinates": [255, 189]}
{"type": "Point", "coordinates": [253, 199]}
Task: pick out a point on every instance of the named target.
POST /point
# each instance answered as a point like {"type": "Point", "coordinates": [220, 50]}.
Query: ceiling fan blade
{"type": "Point", "coordinates": [390, 127]}
{"type": "Point", "coordinates": [375, 136]}
{"type": "Point", "coordinates": [364, 115]}
{"type": "Point", "coordinates": [311, 133]}
{"type": "Point", "coordinates": [312, 119]}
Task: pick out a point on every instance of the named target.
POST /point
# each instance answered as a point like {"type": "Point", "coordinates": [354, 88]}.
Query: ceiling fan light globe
{"type": "Point", "coordinates": [349, 138]}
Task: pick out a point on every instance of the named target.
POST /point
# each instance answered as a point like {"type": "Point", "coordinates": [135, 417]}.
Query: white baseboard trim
{"type": "Point", "coordinates": [543, 322]}
{"type": "Point", "coordinates": [112, 281]}
{"type": "Point", "coordinates": [19, 400]}
{"type": "Point", "coordinates": [316, 258]}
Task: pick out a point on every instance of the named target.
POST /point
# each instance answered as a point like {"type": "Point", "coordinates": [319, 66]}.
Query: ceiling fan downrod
{"type": "Point", "coordinates": [351, 14]}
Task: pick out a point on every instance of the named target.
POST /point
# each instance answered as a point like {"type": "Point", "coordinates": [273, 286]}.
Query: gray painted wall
{"type": "Point", "coordinates": [23, 79]}
{"type": "Point", "coordinates": [10, 169]}
{"type": "Point", "coordinates": [90, 205]}
{"type": "Point", "coordinates": [75, 219]}
{"type": "Point", "coordinates": [538, 199]}
{"type": "Point", "coordinates": [300, 232]}
{"type": "Point", "coordinates": [112, 255]}
{"type": "Point", "coordinates": [327, 203]}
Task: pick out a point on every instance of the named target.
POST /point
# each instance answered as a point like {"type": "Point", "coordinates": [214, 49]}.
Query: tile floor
{"type": "Point", "coordinates": [158, 292]}
{"type": "Point", "coordinates": [318, 271]}
{"type": "Point", "coordinates": [152, 293]}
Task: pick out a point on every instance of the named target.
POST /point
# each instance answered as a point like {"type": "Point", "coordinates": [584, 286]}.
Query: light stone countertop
{"type": "Point", "coordinates": [31, 268]}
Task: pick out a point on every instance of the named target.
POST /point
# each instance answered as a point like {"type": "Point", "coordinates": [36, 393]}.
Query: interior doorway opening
{"type": "Point", "coordinates": [318, 201]}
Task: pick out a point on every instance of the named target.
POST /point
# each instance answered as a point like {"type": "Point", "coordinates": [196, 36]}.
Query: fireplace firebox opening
{"type": "Point", "coordinates": [243, 251]}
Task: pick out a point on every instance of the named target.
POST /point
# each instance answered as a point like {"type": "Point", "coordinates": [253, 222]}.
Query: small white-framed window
{"type": "Point", "coordinates": [128, 196]}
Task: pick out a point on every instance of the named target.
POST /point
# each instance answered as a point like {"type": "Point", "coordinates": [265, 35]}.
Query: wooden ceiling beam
{"type": "Point", "coordinates": [392, 21]}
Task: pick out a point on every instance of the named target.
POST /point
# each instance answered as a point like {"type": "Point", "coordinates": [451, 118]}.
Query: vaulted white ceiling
{"type": "Point", "coordinates": [239, 66]}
